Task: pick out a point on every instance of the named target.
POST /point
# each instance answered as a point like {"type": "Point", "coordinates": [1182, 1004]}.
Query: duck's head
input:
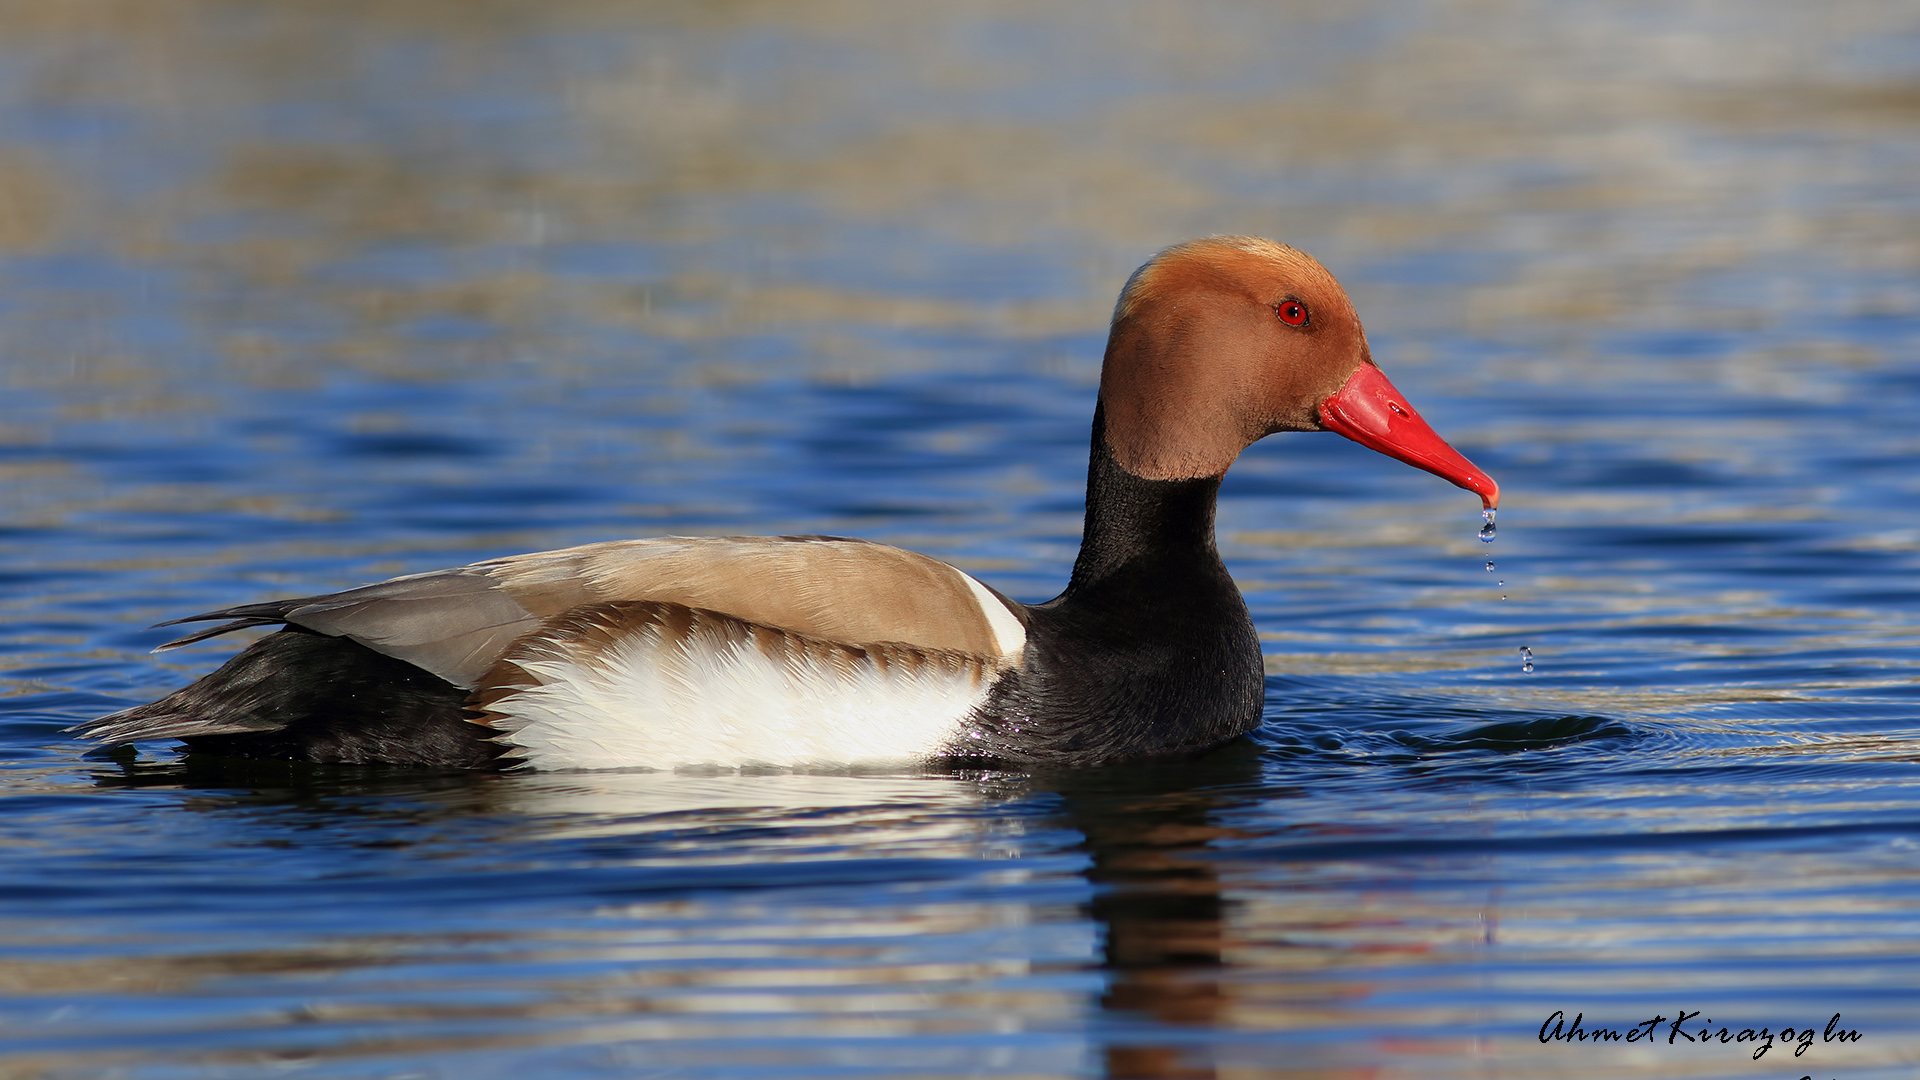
{"type": "Point", "coordinates": [1220, 342]}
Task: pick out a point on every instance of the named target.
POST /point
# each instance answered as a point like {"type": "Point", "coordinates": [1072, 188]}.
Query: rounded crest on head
{"type": "Point", "coordinates": [1217, 343]}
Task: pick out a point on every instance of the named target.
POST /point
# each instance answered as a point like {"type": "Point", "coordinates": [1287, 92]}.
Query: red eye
{"type": "Point", "coordinates": [1293, 313]}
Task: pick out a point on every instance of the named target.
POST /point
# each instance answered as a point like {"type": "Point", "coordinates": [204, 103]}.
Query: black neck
{"type": "Point", "coordinates": [1149, 652]}
{"type": "Point", "coordinates": [1130, 518]}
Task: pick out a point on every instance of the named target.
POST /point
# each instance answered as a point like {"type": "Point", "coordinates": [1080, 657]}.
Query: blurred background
{"type": "Point", "coordinates": [295, 296]}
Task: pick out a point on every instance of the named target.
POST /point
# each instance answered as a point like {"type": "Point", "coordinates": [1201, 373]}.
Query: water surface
{"type": "Point", "coordinates": [295, 297]}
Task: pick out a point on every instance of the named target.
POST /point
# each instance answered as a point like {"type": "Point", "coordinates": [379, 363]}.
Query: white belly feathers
{"type": "Point", "coordinates": [660, 685]}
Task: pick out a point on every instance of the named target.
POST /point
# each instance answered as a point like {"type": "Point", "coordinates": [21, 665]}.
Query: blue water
{"type": "Point", "coordinates": [294, 297]}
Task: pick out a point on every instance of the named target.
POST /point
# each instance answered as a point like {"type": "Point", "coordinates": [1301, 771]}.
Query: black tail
{"type": "Point", "coordinates": [300, 696]}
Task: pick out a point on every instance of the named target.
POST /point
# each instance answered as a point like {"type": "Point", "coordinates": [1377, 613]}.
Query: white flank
{"type": "Point", "coordinates": [1008, 634]}
{"type": "Point", "coordinates": [661, 702]}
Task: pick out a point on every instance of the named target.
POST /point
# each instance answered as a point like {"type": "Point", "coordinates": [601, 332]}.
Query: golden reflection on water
{"type": "Point", "coordinates": [1219, 119]}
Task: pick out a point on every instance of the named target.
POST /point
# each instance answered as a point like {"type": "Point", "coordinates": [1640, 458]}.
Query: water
{"type": "Point", "coordinates": [294, 297]}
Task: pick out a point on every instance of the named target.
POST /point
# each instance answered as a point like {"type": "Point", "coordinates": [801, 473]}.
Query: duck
{"type": "Point", "coordinates": [806, 651]}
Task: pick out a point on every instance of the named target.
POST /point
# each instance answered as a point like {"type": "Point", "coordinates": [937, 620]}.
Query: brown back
{"type": "Point", "coordinates": [457, 623]}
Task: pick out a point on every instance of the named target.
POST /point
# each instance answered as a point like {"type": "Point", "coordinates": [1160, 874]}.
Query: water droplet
{"type": "Point", "coordinates": [1486, 531]}
{"type": "Point", "coordinates": [1499, 584]}
{"type": "Point", "coordinates": [1526, 657]}
{"type": "Point", "coordinates": [1503, 596]}
{"type": "Point", "coordinates": [1489, 566]}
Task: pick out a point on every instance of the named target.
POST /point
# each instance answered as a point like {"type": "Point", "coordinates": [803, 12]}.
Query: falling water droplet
{"type": "Point", "coordinates": [1500, 584]}
{"type": "Point", "coordinates": [1489, 566]}
{"type": "Point", "coordinates": [1486, 531]}
{"type": "Point", "coordinates": [1526, 658]}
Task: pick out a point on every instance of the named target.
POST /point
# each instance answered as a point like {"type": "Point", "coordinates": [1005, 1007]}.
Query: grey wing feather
{"type": "Point", "coordinates": [453, 623]}
{"type": "Point", "coordinates": [212, 631]}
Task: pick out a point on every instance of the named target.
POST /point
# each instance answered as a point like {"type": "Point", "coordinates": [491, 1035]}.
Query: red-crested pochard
{"type": "Point", "coordinates": [800, 650]}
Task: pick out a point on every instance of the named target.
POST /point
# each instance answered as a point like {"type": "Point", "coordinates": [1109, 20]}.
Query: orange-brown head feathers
{"type": "Point", "coordinates": [1217, 343]}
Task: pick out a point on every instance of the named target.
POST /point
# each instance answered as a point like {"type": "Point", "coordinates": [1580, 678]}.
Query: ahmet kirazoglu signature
{"type": "Point", "coordinates": [1556, 1028]}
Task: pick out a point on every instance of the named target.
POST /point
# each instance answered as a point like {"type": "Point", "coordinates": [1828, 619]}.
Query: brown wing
{"type": "Point", "coordinates": [456, 623]}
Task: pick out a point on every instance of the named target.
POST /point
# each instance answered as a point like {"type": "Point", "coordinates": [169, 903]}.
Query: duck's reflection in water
{"type": "Point", "coordinates": [1159, 904]}
{"type": "Point", "coordinates": [667, 916]}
